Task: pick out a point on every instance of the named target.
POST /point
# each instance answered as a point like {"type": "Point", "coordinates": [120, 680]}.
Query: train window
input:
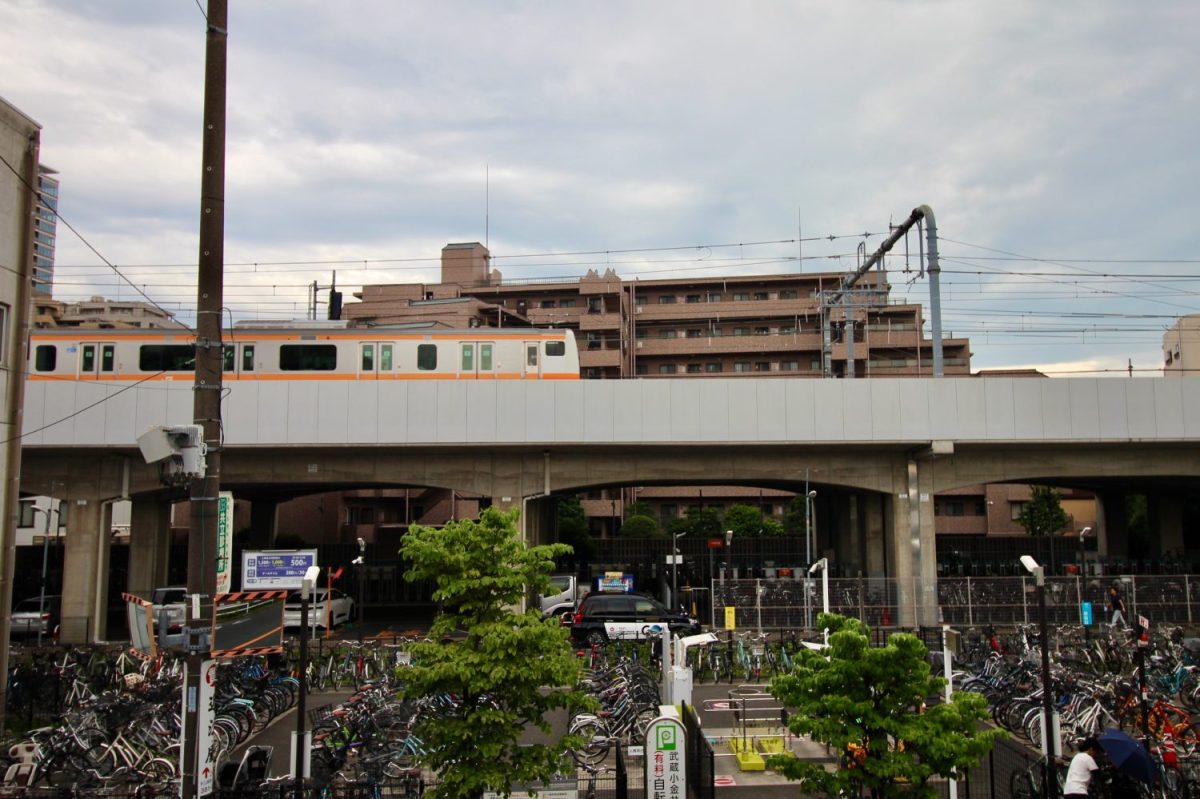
{"type": "Point", "coordinates": [385, 357]}
{"type": "Point", "coordinates": [228, 357]}
{"type": "Point", "coordinates": [247, 357]}
{"type": "Point", "coordinates": [108, 357]}
{"type": "Point", "coordinates": [368, 358]}
{"type": "Point", "coordinates": [556, 348]}
{"type": "Point", "coordinates": [87, 361]}
{"type": "Point", "coordinates": [531, 353]}
{"type": "Point", "coordinates": [485, 357]}
{"type": "Point", "coordinates": [308, 357]}
{"type": "Point", "coordinates": [468, 357]}
{"type": "Point", "coordinates": [45, 358]}
{"type": "Point", "coordinates": [165, 358]}
{"type": "Point", "coordinates": [426, 357]}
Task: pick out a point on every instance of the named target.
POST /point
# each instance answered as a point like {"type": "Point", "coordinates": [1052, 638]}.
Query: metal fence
{"type": "Point", "coordinates": [795, 601]}
{"type": "Point", "coordinates": [701, 760]}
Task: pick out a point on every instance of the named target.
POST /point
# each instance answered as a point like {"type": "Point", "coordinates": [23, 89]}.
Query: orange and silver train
{"type": "Point", "coordinates": [304, 351]}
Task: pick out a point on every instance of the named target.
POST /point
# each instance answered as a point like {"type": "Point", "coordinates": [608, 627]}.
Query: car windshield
{"type": "Point", "coordinates": [294, 597]}
{"type": "Point", "coordinates": [29, 605]}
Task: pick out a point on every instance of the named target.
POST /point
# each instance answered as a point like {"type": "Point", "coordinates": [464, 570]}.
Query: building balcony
{"type": "Point", "coordinates": [749, 309]}
{"type": "Point", "coordinates": [598, 358]}
{"type": "Point", "coordinates": [791, 343]}
{"type": "Point", "coordinates": [599, 321]}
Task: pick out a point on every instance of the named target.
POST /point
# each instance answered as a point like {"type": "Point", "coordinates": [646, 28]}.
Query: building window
{"type": "Point", "coordinates": [591, 373]}
{"type": "Point", "coordinates": [693, 298]}
{"type": "Point", "coordinates": [666, 368]}
{"type": "Point", "coordinates": [741, 366]}
{"type": "Point", "coordinates": [761, 295]}
{"type": "Point", "coordinates": [741, 331]}
{"type": "Point", "coordinates": [693, 368]}
{"type": "Point", "coordinates": [668, 333]}
{"type": "Point", "coordinates": [741, 296]}
{"type": "Point", "coordinates": [641, 369]}
{"type": "Point", "coordinates": [712, 368]}
{"type": "Point", "coordinates": [787, 328]}
{"type": "Point", "coordinates": [595, 304]}
{"type": "Point", "coordinates": [789, 366]}
{"type": "Point", "coordinates": [641, 333]}
{"type": "Point", "coordinates": [762, 366]}
{"type": "Point", "coordinates": [694, 332]}
{"type": "Point", "coordinates": [788, 294]}
{"type": "Point", "coordinates": [762, 331]}
{"type": "Point", "coordinates": [715, 332]}
{"type": "Point", "coordinates": [1014, 510]}
{"type": "Point", "coordinates": [639, 299]}
{"type": "Point", "coordinates": [567, 303]}
{"type": "Point", "coordinates": [27, 514]}
{"type": "Point", "coordinates": [593, 341]}
{"type": "Point", "coordinates": [548, 303]}
{"type": "Point", "coordinates": [714, 296]}
{"type": "Point", "coordinates": [666, 299]}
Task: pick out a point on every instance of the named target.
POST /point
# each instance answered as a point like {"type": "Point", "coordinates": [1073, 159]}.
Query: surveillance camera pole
{"type": "Point", "coordinates": [205, 488]}
{"type": "Point", "coordinates": [675, 569]}
{"type": "Point", "coordinates": [45, 564]}
{"type": "Point", "coordinates": [1050, 780]}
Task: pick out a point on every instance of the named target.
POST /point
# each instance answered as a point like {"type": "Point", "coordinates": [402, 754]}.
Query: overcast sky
{"type": "Point", "coordinates": [1056, 143]}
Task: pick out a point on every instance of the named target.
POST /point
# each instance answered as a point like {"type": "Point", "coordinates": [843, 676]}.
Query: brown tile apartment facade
{"type": "Point", "coordinates": [729, 327]}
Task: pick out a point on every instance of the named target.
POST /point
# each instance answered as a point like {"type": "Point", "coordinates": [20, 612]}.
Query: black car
{"type": "Point", "coordinates": [608, 617]}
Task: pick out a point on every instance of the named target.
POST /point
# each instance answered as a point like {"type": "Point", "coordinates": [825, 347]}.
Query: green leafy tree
{"type": "Point", "coordinates": [746, 521]}
{"type": "Point", "coordinates": [772, 527]}
{"type": "Point", "coordinates": [1043, 514]}
{"type": "Point", "coordinates": [641, 527]}
{"type": "Point", "coordinates": [573, 528]}
{"type": "Point", "coordinates": [851, 695]}
{"type": "Point", "coordinates": [639, 508]}
{"type": "Point", "coordinates": [795, 518]}
{"type": "Point", "coordinates": [508, 669]}
{"type": "Point", "coordinates": [699, 523]}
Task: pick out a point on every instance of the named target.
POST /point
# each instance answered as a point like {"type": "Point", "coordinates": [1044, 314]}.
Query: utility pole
{"type": "Point", "coordinates": [206, 404]}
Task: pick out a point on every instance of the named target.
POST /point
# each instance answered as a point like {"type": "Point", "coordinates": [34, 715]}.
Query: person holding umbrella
{"type": "Point", "coordinates": [1083, 766]}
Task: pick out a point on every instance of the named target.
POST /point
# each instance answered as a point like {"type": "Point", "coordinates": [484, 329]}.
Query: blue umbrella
{"type": "Point", "coordinates": [1128, 756]}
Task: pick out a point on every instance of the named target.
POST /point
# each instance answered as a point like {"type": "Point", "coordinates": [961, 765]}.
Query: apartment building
{"type": "Point", "coordinates": [1181, 347]}
{"type": "Point", "coordinates": [752, 326]}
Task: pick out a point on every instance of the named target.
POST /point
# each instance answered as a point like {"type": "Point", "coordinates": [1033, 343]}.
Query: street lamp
{"type": "Point", "coordinates": [1082, 535]}
{"type": "Point", "coordinates": [358, 577]}
{"type": "Point", "coordinates": [1048, 747]}
{"type": "Point", "coordinates": [45, 563]}
{"type": "Point", "coordinates": [306, 589]}
{"type": "Point", "coordinates": [675, 568]}
{"type": "Point", "coordinates": [809, 520]}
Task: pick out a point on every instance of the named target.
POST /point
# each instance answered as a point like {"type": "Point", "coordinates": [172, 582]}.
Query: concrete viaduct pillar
{"type": "Point", "coordinates": [149, 544]}
{"type": "Point", "coordinates": [913, 553]}
{"type": "Point", "coordinates": [85, 572]}
{"type": "Point", "coordinates": [1166, 520]}
{"type": "Point", "coordinates": [264, 520]}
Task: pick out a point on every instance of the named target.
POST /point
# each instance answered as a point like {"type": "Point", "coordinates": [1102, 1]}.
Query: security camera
{"type": "Point", "coordinates": [182, 447]}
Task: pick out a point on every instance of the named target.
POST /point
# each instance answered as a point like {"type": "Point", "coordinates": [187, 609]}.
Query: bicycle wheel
{"type": "Point", "coordinates": [1020, 786]}
{"type": "Point", "coordinates": [596, 740]}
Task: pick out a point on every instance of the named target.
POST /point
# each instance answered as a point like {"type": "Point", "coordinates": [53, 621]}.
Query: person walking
{"type": "Point", "coordinates": [1117, 604]}
{"type": "Point", "coordinates": [1083, 766]}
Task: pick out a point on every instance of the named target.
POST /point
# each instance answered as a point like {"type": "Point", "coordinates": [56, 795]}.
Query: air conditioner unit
{"type": "Point", "coordinates": [639, 345]}
{"type": "Point", "coordinates": [637, 309]}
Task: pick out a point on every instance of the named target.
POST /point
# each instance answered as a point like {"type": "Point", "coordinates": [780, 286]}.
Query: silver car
{"type": "Point", "coordinates": [28, 617]}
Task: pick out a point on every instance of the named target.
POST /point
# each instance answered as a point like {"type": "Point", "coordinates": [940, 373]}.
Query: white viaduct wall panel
{"type": "Point", "coordinates": [362, 413]}
{"type": "Point", "coordinates": [1189, 400]}
{"type": "Point", "coordinates": [684, 404]}
{"type": "Point", "coordinates": [999, 411]}
{"type": "Point", "coordinates": [422, 413]}
{"type": "Point", "coordinates": [829, 411]}
{"type": "Point", "coordinates": [1169, 410]}
{"type": "Point", "coordinates": [801, 411]}
{"type": "Point", "coordinates": [1084, 421]}
{"type": "Point", "coordinates": [628, 400]}
{"type": "Point", "coordinates": [391, 420]}
{"type": "Point", "coordinates": [599, 409]}
{"type": "Point", "coordinates": [568, 410]}
{"type": "Point", "coordinates": [482, 412]}
{"type": "Point", "coordinates": [772, 410]}
{"type": "Point", "coordinates": [1119, 400]}
{"type": "Point", "coordinates": [266, 413]}
{"type": "Point", "coordinates": [742, 411]}
{"type": "Point", "coordinates": [333, 412]}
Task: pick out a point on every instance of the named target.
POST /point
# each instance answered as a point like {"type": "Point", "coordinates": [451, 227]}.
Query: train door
{"type": "Point", "coordinates": [476, 360]}
{"type": "Point", "coordinates": [533, 360]}
{"type": "Point", "coordinates": [375, 359]}
{"type": "Point", "coordinates": [239, 360]}
{"type": "Point", "coordinates": [97, 359]}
